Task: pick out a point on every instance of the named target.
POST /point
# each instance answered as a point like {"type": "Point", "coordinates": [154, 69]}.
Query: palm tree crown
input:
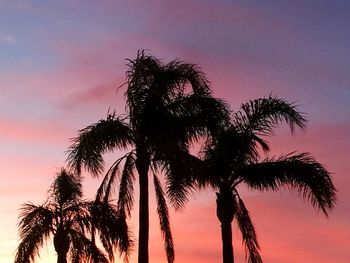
{"type": "Point", "coordinates": [169, 106]}
{"type": "Point", "coordinates": [73, 224]}
{"type": "Point", "coordinates": [232, 158]}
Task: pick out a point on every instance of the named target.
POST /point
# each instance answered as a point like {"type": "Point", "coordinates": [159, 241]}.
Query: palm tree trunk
{"type": "Point", "coordinates": [61, 244]}
{"type": "Point", "coordinates": [142, 166]}
{"type": "Point", "coordinates": [227, 248]}
{"type": "Point", "coordinates": [61, 258]}
{"type": "Point", "coordinates": [225, 211]}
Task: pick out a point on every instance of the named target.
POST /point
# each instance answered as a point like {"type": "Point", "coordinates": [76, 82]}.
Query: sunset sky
{"type": "Point", "coordinates": [61, 63]}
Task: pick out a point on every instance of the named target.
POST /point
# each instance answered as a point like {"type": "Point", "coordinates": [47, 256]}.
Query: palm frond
{"type": "Point", "coordinates": [66, 187]}
{"type": "Point", "coordinates": [109, 181]}
{"type": "Point", "coordinates": [260, 141]}
{"type": "Point", "coordinates": [100, 212]}
{"type": "Point", "coordinates": [93, 141]}
{"type": "Point", "coordinates": [126, 187]}
{"type": "Point", "coordinates": [153, 86]}
{"type": "Point", "coordinates": [296, 171]}
{"type": "Point", "coordinates": [112, 228]}
{"type": "Point", "coordinates": [28, 248]}
{"type": "Point", "coordinates": [164, 221]}
{"type": "Point", "coordinates": [183, 172]}
{"type": "Point", "coordinates": [147, 75]}
{"type": "Point", "coordinates": [78, 216]}
{"type": "Point", "coordinates": [247, 229]}
{"type": "Point", "coordinates": [263, 115]}
{"type": "Point", "coordinates": [84, 250]}
{"type": "Point", "coordinates": [196, 115]}
{"type": "Point", "coordinates": [226, 152]}
{"type": "Point", "coordinates": [32, 215]}
{"type": "Point", "coordinates": [176, 74]}
{"type": "Point", "coordinates": [140, 77]}
{"type": "Point", "coordinates": [35, 226]}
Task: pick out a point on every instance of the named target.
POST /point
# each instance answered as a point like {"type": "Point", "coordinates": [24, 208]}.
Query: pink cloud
{"type": "Point", "coordinates": [26, 131]}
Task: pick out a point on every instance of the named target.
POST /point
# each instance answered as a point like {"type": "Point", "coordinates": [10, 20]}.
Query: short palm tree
{"type": "Point", "coordinates": [169, 106]}
{"type": "Point", "coordinates": [231, 158]}
{"type": "Point", "coordinates": [73, 224]}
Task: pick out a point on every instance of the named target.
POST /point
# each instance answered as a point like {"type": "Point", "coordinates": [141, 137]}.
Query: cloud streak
{"type": "Point", "coordinates": [8, 39]}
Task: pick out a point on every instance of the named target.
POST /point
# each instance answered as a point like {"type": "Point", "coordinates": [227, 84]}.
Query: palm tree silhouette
{"type": "Point", "coordinates": [169, 106]}
{"type": "Point", "coordinates": [73, 223]}
{"type": "Point", "coordinates": [231, 158]}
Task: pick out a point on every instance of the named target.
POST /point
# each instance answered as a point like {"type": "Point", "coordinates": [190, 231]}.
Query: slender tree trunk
{"type": "Point", "coordinates": [61, 243]}
{"type": "Point", "coordinates": [227, 248]}
{"type": "Point", "coordinates": [142, 165]}
{"type": "Point", "coordinates": [61, 258]}
{"type": "Point", "coordinates": [225, 210]}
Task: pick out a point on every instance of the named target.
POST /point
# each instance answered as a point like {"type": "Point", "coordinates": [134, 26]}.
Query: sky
{"type": "Point", "coordinates": [61, 63]}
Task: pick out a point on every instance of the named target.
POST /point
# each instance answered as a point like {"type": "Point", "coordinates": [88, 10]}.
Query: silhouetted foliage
{"type": "Point", "coordinates": [232, 157]}
{"type": "Point", "coordinates": [169, 106]}
{"type": "Point", "coordinates": [73, 224]}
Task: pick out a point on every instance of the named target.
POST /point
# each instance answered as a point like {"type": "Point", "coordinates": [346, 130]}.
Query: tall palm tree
{"type": "Point", "coordinates": [232, 158]}
{"type": "Point", "coordinates": [169, 106]}
{"type": "Point", "coordinates": [73, 224]}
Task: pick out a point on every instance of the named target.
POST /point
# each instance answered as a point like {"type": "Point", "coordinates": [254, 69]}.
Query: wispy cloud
{"type": "Point", "coordinates": [8, 39]}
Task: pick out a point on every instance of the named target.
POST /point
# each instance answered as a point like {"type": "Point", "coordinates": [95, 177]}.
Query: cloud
{"type": "Point", "coordinates": [8, 39]}
{"type": "Point", "coordinates": [32, 131]}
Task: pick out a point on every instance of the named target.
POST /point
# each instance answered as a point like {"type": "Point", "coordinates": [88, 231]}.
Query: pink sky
{"type": "Point", "coordinates": [62, 61]}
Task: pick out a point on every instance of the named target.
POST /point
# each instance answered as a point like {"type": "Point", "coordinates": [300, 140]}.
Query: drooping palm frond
{"type": "Point", "coordinates": [110, 224]}
{"type": "Point", "coordinates": [78, 216]}
{"type": "Point", "coordinates": [35, 227]}
{"type": "Point", "coordinates": [164, 220]}
{"type": "Point", "coordinates": [263, 115]}
{"type": "Point", "coordinates": [87, 149]}
{"type": "Point", "coordinates": [84, 250]}
{"type": "Point", "coordinates": [31, 215]}
{"type": "Point", "coordinates": [178, 73]}
{"type": "Point", "coordinates": [256, 140]}
{"type": "Point", "coordinates": [296, 171]}
{"type": "Point", "coordinates": [182, 171]}
{"type": "Point", "coordinates": [29, 247]}
{"type": "Point", "coordinates": [126, 187]}
{"type": "Point", "coordinates": [125, 237]}
{"type": "Point", "coordinates": [110, 179]}
{"type": "Point", "coordinates": [248, 232]}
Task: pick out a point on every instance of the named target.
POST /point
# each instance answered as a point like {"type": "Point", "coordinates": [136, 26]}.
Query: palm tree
{"type": "Point", "coordinates": [169, 106]}
{"type": "Point", "coordinates": [73, 224]}
{"type": "Point", "coordinates": [231, 158]}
